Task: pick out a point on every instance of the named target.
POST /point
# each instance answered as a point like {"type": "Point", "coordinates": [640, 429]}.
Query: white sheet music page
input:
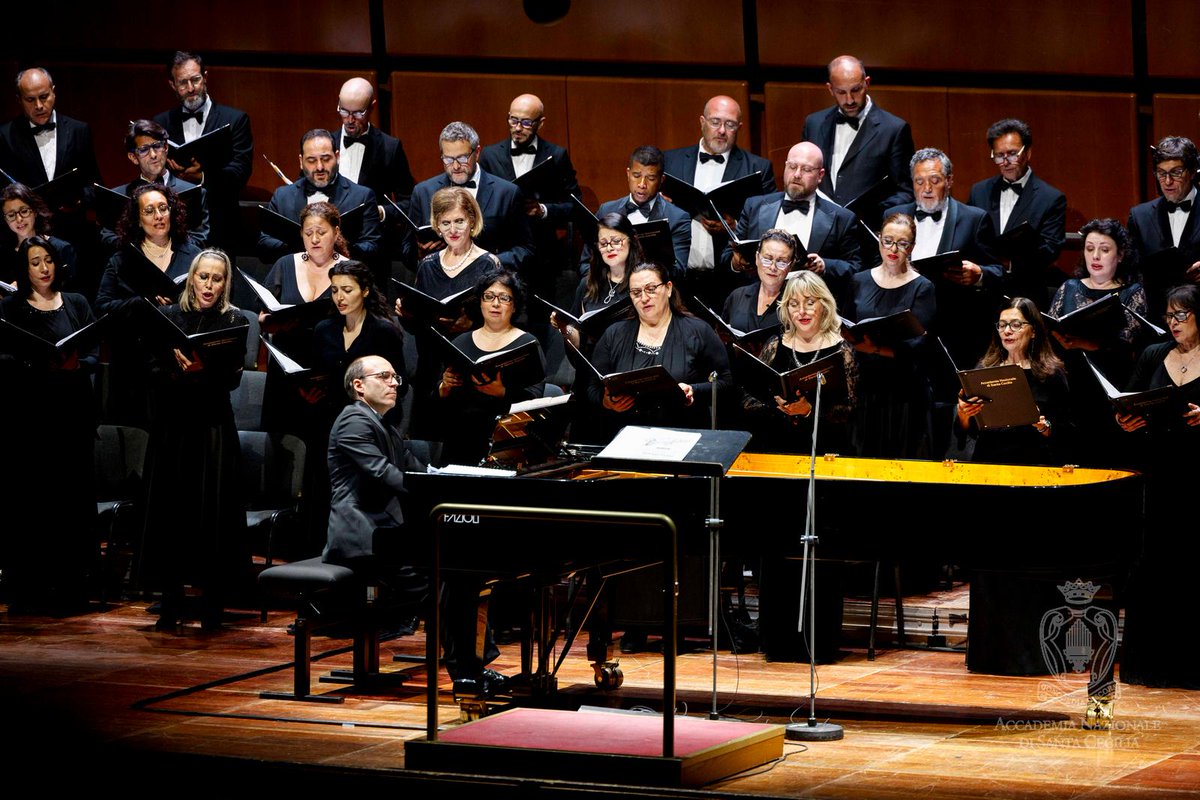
{"type": "Point", "coordinates": [655, 444]}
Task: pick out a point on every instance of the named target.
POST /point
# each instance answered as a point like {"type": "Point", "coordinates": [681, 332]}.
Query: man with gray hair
{"type": "Point", "coordinates": [505, 224]}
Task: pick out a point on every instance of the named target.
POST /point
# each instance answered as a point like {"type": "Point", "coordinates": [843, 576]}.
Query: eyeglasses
{"type": "Point", "coordinates": [527, 124]}
{"type": "Point", "coordinates": [777, 263]}
{"type": "Point", "coordinates": [892, 244]}
{"type": "Point", "coordinates": [464, 160]}
{"type": "Point", "coordinates": [153, 147]}
{"type": "Point", "coordinates": [728, 124]}
{"type": "Point", "coordinates": [806, 169]}
{"type": "Point", "coordinates": [808, 304]}
{"type": "Point", "coordinates": [356, 114]}
{"type": "Point", "coordinates": [1014, 325]}
{"type": "Point", "coordinates": [1178, 316]}
{"type": "Point", "coordinates": [613, 243]}
{"type": "Point", "coordinates": [455, 224]}
{"type": "Point", "coordinates": [1174, 174]}
{"type": "Point", "coordinates": [24, 212]}
{"type": "Point", "coordinates": [1010, 156]}
{"type": "Point", "coordinates": [161, 210]}
{"type": "Point", "coordinates": [493, 297]}
{"type": "Point", "coordinates": [195, 80]}
{"type": "Point", "coordinates": [387, 377]}
{"type": "Point", "coordinates": [651, 290]}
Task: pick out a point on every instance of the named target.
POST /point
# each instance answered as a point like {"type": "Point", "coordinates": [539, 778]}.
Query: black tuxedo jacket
{"type": "Point", "coordinates": [345, 195]}
{"type": "Point", "coordinates": [367, 459]}
{"type": "Point", "coordinates": [1150, 232]}
{"type": "Point", "coordinates": [198, 227]}
{"type": "Point", "coordinates": [882, 148]}
{"type": "Point", "coordinates": [833, 236]}
{"type": "Point", "coordinates": [385, 168]}
{"type": "Point", "coordinates": [681, 232]}
{"type": "Point", "coordinates": [497, 160]}
{"type": "Point", "coordinates": [19, 155]}
{"type": "Point", "coordinates": [1045, 209]}
{"type": "Point", "coordinates": [506, 230]}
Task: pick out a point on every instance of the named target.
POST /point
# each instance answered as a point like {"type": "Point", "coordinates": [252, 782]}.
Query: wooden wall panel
{"type": "Point", "coordinates": [1177, 115]}
{"type": "Point", "coordinates": [663, 32]}
{"type": "Point", "coordinates": [610, 117]}
{"type": "Point", "coordinates": [1171, 28]}
{"type": "Point", "coordinates": [1033, 36]}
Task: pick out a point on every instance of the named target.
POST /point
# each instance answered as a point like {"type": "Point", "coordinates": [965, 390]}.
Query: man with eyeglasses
{"type": "Point", "coordinates": [195, 116]}
{"type": "Point", "coordinates": [321, 180]}
{"type": "Point", "coordinates": [1167, 222]}
{"type": "Point", "coordinates": [716, 159]}
{"type": "Point", "coordinates": [146, 148]}
{"type": "Point", "coordinates": [827, 233]}
{"type": "Point", "coordinates": [862, 144]}
{"type": "Point", "coordinates": [506, 231]}
{"type": "Point", "coordinates": [516, 155]}
{"type": "Point", "coordinates": [1016, 196]}
{"type": "Point", "coordinates": [366, 155]}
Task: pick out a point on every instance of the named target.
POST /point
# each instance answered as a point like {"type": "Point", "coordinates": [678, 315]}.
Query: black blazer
{"type": "Point", "coordinates": [345, 195]}
{"type": "Point", "coordinates": [385, 168]}
{"type": "Point", "coordinates": [882, 148]}
{"type": "Point", "coordinates": [681, 232]}
{"type": "Point", "coordinates": [833, 236]}
{"type": "Point", "coordinates": [73, 148]}
{"type": "Point", "coordinates": [505, 224]}
{"type": "Point", "coordinates": [497, 160]}
{"type": "Point", "coordinates": [1045, 209]}
{"type": "Point", "coordinates": [1150, 232]}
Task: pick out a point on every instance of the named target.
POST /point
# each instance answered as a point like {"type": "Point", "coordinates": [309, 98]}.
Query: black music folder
{"type": "Point", "coordinates": [646, 385]}
{"type": "Point", "coordinates": [1007, 398]}
{"type": "Point", "coordinates": [585, 219]}
{"type": "Point", "coordinates": [33, 349]}
{"type": "Point", "coordinates": [1020, 241]}
{"type": "Point", "coordinates": [655, 238]}
{"type": "Point", "coordinates": [212, 149]}
{"type": "Point", "coordinates": [1150, 403]}
{"type": "Point", "coordinates": [303, 377]}
{"type": "Point", "coordinates": [592, 323]}
{"type": "Point", "coordinates": [893, 328]}
{"type": "Point", "coordinates": [286, 315]}
{"type": "Point", "coordinates": [1163, 270]}
{"type": "Point", "coordinates": [934, 267]}
{"type": "Point", "coordinates": [224, 348]}
{"type": "Point", "coordinates": [726, 199]}
{"type": "Point", "coordinates": [746, 248]}
{"type": "Point", "coordinates": [425, 233]}
{"type": "Point", "coordinates": [144, 277]}
{"type": "Point", "coordinates": [520, 366]}
{"type": "Point", "coordinates": [428, 309]}
{"type": "Point", "coordinates": [727, 332]}
{"type": "Point", "coordinates": [65, 190]}
{"type": "Point", "coordinates": [1101, 321]}
{"type": "Point", "coordinates": [288, 231]}
{"type": "Point", "coordinates": [542, 182]}
{"type": "Point", "coordinates": [765, 382]}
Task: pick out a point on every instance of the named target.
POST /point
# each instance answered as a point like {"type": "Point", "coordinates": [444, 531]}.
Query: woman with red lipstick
{"type": "Point", "coordinates": [893, 418]}
{"type": "Point", "coordinates": [1163, 577]}
{"type": "Point", "coordinates": [467, 407]}
{"type": "Point", "coordinates": [1021, 339]}
{"type": "Point", "coordinates": [48, 569]}
{"type": "Point", "coordinates": [195, 532]}
{"type": "Point", "coordinates": [25, 216]}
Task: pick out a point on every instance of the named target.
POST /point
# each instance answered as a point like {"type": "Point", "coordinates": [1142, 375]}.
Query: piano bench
{"type": "Point", "coordinates": [327, 595]}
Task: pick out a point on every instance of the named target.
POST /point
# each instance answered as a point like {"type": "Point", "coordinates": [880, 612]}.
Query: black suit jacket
{"type": "Point", "coordinates": [1150, 232]}
{"type": "Point", "coordinates": [367, 459]}
{"type": "Point", "coordinates": [833, 236]}
{"type": "Point", "coordinates": [385, 168]}
{"type": "Point", "coordinates": [73, 150]}
{"type": "Point", "coordinates": [1045, 209]}
{"type": "Point", "coordinates": [505, 224]}
{"type": "Point", "coordinates": [345, 195]}
{"type": "Point", "coordinates": [681, 232]}
{"type": "Point", "coordinates": [223, 182]}
{"type": "Point", "coordinates": [882, 148]}
{"type": "Point", "coordinates": [497, 160]}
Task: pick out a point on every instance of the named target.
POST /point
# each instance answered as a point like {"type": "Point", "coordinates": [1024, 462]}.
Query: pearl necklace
{"type": "Point", "coordinates": [465, 258]}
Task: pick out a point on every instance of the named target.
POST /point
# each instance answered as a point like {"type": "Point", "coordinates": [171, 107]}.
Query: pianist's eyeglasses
{"type": "Point", "coordinates": [386, 377]}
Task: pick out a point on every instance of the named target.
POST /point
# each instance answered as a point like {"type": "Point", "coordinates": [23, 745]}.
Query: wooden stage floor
{"type": "Point", "coordinates": [917, 724]}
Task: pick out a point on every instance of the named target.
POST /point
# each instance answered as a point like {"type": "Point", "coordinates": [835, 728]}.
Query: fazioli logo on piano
{"type": "Point", "coordinates": [460, 519]}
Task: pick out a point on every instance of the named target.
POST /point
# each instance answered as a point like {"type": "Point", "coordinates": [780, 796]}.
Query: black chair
{"type": "Point", "coordinates": [272, 474]}
{"type": "Point", "coordinates": [119, 458]}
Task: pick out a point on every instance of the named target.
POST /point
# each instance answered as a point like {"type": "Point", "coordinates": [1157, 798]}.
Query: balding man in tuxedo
{"type": "Point", "coordinates": [367, 155]}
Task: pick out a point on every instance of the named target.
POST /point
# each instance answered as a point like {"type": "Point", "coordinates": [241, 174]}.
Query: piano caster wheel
{"type": "Point", "coordinates": [609, 676]}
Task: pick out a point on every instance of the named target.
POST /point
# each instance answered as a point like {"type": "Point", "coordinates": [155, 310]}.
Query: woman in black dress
{"type": "Point", "coordinates": [25, 216]}
{"type": "Point", "coordinates": [755, 306]}
{"type": "Point", "coordinates": [895, 398]}
{"type": "Point", "coordinates": [1161, 588]}
{"type": "Point", "coordinates": [1021, 339]}
{"type": "Point", "coordinates": [46, 565]}
{"type": "Point", "coordinates": [195, 531]}
{"type": "Point", "coordinates": [467, 406]}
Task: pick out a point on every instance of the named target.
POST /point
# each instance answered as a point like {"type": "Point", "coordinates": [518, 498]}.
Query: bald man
{"type": "Point", "coordinates": [716, 159]}
{"type": "Point", "coordinates": [862, 144]}
{"type": "Point", "coordinates": [548, 212]}
{"type": "Point", "coordinates": [368, 156]}
{"type": "Point", "coordinates": [827, 232]}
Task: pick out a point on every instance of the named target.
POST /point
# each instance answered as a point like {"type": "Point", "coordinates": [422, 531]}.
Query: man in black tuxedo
{"type": "Point", "coordinates": [195, 116]}
{"type": "Point", "coordinates": [367, 155]}
{"type": "Point", "coordinates": [715, 160]}
{"type": "Point", "coordinates": [146, 148]}
{"type": "Point", "coordinates": [1170, 221]}
{"type": "Point", "coordinates": [643, 204]}
{"type": "Point", "coordinates": [827, 232]}
{"type": "Point", "coordinates": [1014, 197]}
{"type": "Point", "coordinates": [322, 181]}
{"type": "Point", "coordinates": [862, 144]}
{"type": "Point", "coordinates": [548, 212]}
{"type": "Point", "coordinates": [41, 145]}
{"type": "Point", "coordinates": [506, 231]}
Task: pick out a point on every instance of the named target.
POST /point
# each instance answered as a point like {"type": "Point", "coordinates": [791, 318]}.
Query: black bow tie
{"type": "Point", "coordinates": [527, 149]}
{"type": "Point", "coordinates": [49, 126]}
{"type": "Point", "coordinates": [1184, 205]}
{"type": "Point", "coordinates": [310, 190]}
{"type": "Point", "coordinates": [853, 122]}
{"type": "Point", "coordinates": [936, 216]}
{"type": "Point", "coordinates": [645, 208]}
{"type": "Point", "coordinates": [349, 140]}
{"type": "Point", "coordinates": [197, 115]}
{"type": "Point", "coordinates": [706, 157]}
{"type": "Point", "coordinates": [790, 205]}
{"type": "Point", "coordinates": [1015, 188]}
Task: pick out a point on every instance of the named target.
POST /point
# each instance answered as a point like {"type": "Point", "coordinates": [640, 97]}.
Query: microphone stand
{"type": "Point", "coordinates": [714, 524]}
{"type": "Point", "coordinates": [812, 731]}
